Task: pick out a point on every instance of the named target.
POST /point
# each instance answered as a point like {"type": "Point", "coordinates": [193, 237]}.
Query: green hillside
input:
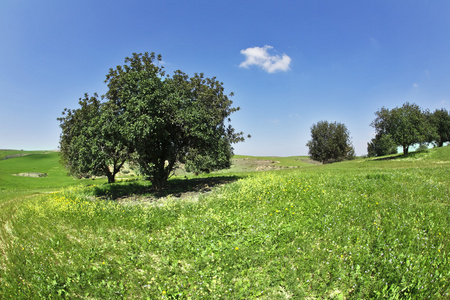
{"type": "Point", "coordinates": [14, 162]}
{"type": "Point", "coordinates": [362, 229]}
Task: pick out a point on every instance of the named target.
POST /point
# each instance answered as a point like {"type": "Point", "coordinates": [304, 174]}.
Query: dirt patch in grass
{"type": "Point", "coordinates": [162, 195]}
{"type": "Point", "coordinates": [250, 164]}
{"type": "Point", "coordinates": [138, 194]}
{"type": "Point", "coordinates": [310, 161]}
{"type": "Point", "coordinates": [253, 164]}
{"type": "Point", "coordinates": [32, 174]}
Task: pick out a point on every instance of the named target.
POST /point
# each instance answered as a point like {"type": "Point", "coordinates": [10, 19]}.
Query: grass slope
{"type": "Point", "coordinates": [16, 190]}
{"type": "Point", "coordinates": [364, 229]}
{"type": "Point", "coordinates": [31, 161]}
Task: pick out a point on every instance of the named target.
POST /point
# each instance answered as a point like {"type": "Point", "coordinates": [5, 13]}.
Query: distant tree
{"type": "Point", "coordinates": [440, 120]}
{"type": "Point", "coordinates": [171, 119]}
{"type": "Point", "coordinates": [330, 142]}
{"type": "Point", "coordinates": [381, 145]}
{"type": "Point", "coordinates": [423, 147]}
{"type": "Point", "coordinates": [90, 142]}
{"type": "Point", "coordinates": [406, 125]}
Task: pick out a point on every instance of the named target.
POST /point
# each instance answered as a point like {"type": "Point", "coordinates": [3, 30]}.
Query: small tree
{"type": "Point", "coordinates": [330, 142]}
{"type": "Point", "coordinates": [406, 125]}
{"type": "Point", "coordinates": [90, 142]}
{"type": "Point", "coordinates": [381, 145]}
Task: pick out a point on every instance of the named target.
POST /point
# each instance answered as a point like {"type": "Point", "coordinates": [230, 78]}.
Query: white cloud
{"type": "Point", "coordinates": [260, 57]}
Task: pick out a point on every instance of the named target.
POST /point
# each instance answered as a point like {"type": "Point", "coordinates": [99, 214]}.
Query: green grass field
{"type": "Point", "coordinates": [31, 161]}
{"type": "Point", "coordinates": [363, 229]}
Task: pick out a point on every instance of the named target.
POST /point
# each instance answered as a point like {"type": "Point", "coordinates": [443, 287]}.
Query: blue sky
{"type": "Point", "coordinates": [289, 63]}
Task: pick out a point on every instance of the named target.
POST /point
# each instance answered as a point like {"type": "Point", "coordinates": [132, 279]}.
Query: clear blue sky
{"type": "Point", "coordinates": [289, 63]}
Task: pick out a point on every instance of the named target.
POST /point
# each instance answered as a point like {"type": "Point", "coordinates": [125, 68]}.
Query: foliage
{"type": "Point", "coordinates": [330, 142]}
{"type": "Point", "coordinates": [353, 230]}
{"type": "Point", "coordinates": [151, 119]}
{"type": "Point", "coordinates": [208, 138]}
{"type": "Point", "coordinates": [406, 125]}
{"type": "Point", "coordinates": [90, 142]}
{"type": "Point", "coordinates": [422, 147]}
{"type": "Point", "coordinates": [440, 119]}
{"type": "Point", "coordinates": [381, 145]}
{"type": "Point", "coordinates": [167, 120]}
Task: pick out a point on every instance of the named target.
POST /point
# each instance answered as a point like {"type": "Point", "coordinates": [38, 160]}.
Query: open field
{"type": "Point", "coordinates": [363, 229]}
{"type": "Point", "coordinates": [29, 162]}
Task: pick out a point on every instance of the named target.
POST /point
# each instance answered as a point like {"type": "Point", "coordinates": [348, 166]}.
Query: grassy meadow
{"type": "Point", "coordinates": [362, 229]}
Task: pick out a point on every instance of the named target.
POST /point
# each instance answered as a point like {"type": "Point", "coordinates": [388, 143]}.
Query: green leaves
{"type": "Point", "coordinates": [330, 142]}
{"type": "Point", "coordinates": [156, 119]}
{"type": "Point", "coordinates": [381, 145]}
{"type": "Point", "coordinates": [90, 142]}
{"type": "Point", "coordinates": [408, 125]}
{"type": "Point", "coordinates": [171, 119]}
{"type": "Point", "coordinates": [440, 121]}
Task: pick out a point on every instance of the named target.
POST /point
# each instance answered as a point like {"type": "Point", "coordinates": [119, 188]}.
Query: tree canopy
{"type": "Point", "coordinates": [330, 142]}
{"type": "Point", "coordinates": [440, 120]}
{"type": "Point", "coordinates": [165, 120]}
{"type": "Point", "coordinates": [381, 145]}
{"type": "Point", "coordinates": [90, 142]}
{"type": "Point", "coordinates": [406, 126]}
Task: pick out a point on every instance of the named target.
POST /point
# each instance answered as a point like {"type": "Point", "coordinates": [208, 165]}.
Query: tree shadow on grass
{"type": "Point", "coordinates": [175, 187]}
{"type": "Point", "coordinates": [415, 154]}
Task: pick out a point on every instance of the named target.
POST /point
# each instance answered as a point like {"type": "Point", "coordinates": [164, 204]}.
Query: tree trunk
{"type": "Point", "coordinates": [158, 181]}
{"type": "Point", "coordinates": [405, 149]}
{"type": "Point", "coordinates": [158, 176]}
{"type": "Point", "coordinates": [111, 177]}
{"type": "Point", "coordinates": [116, 169]}
{"type": "Point", "coordinates": [109, 174]}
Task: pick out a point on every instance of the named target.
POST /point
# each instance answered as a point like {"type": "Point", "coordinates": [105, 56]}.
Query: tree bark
{"type": "Point", "coordinates": [111, 177]}
{"type": "Point", "coordinates": [405, 149]}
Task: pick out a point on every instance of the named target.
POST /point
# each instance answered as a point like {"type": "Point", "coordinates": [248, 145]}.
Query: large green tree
{"type": "Point", "coordinates": [406, 125]}
{"type": "Point", "coordinates": [156, 119]}
{"type": "Point", "coordinates": [330, 142]}
{"type": "Point", "coordinates": [90, 141]}
{"type": "Point", "coordinates": [174, 119]}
